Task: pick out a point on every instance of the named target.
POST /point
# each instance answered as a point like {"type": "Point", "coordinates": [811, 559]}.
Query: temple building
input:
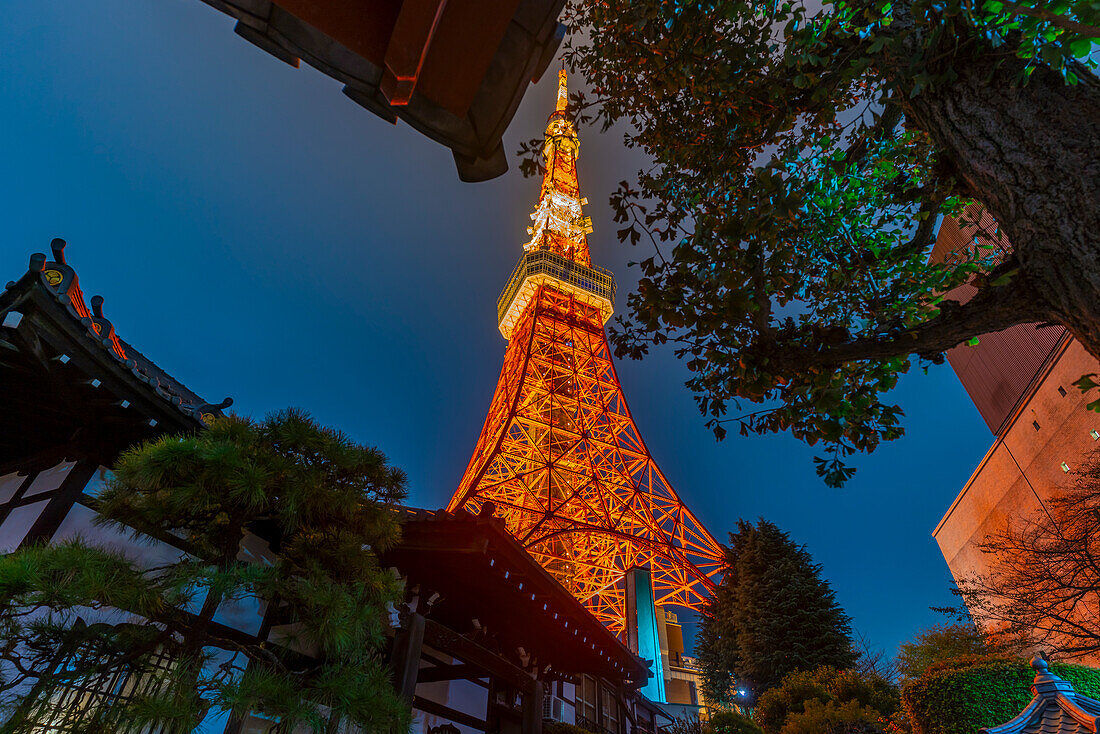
{"type": "Point", "coordinates": [560, 459]}
{"type": "Point", "coordinates": [455, 71]}
{"type": "Point", "coordinates": [1022, 382]}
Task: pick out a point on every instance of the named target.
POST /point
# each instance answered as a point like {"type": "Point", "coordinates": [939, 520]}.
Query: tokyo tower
{"type": "Point", "coordinates": [559, 456]}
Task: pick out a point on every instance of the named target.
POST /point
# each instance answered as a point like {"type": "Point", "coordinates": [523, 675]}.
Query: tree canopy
{"type": "Point", "coordinates": [771, 614]}
{"type": "Point", "coordinates": [828, 701]}
{"type": "Point", "coordinates": [321, 503]}
{"type": "Point", "coordinates": [943, 644]}
{"type": "Point", "coordinates": [801, 159]}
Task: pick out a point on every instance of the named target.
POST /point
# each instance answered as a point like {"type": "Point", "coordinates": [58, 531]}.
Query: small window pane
{"type": "Point", "coordinates": [50, 479]}
{"type": "Point", "coordinates": [9, 483]}
{"type": "Point", "coordinates": [98, 481]}
{"type": "Point", "coordinates": [18, 524]}
{"type": "Point", "coordinates": [245, 615]}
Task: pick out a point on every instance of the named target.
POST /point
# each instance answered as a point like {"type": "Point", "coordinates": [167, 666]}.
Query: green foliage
{"type": "Point", "coordinates": [772, 614]}
{"type": "Point", "coordinates": [825, 695]}
{"type": "Point", "coordinates": [686, 724]}
{"type": "Point", "coordinates": [731, 722]}
{"type": "Point", "coordinates": [987, 693]}
{"type": "Point", "coordinates": [557, 727]}
{"type": "Point", "coordinates": [834, 718]}
{"type": "Point", "coordinates": [942, 644]}
{"type": "Point", "coordinates": [789, 211]}
{"type": "Point", "coordinates": [323, 501]}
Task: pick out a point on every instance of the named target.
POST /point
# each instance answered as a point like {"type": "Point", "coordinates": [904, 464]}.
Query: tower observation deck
{"type": "Point", "coordinates": [559, 456]}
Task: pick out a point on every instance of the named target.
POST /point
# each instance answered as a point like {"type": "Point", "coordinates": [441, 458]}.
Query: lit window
{"type": "Point", "coordinates": [1065, 467]}
{"type": "Point", "coordinates": [1095, 434]}
{"type": "Point", "coordinates": [98, 481]}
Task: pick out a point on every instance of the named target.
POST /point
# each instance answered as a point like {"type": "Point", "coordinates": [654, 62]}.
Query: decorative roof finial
{"type": "Point", "coordinates": [57, 245]}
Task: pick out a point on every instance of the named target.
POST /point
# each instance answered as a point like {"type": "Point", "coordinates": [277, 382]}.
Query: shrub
{"type": "Point", "coordinates": [834, 718]}
{"type": "Point", "coordinates": [557, 727]}
{"type": "Point", "coordinates": [824, 685]}
{"type": "Point", "coordinates": [980, 693]}
{"type": "Point", "coordinates": [731, 722]}
{"type": "Point", "coordinates": [945, 644]}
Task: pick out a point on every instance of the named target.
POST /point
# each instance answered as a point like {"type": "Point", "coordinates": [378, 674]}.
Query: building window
{"type": "Point", "coordinates": [586, 702]}
{"type": "Point", "coordinates": [99, 481]}
{"type": "Point", "coordinates": [1095, 434]}
{"type": "Point", "coordinates": [1065, 467]}
{"type": "Point", "coordinates": [1061, 391]}
{"type": "Point", "coordinates": [1035, 425]}
{"type": "Point", "coordinates": [82, 700]}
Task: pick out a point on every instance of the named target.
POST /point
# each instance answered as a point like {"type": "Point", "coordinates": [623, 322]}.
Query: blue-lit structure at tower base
{"type": "Point", "coordinates": [643, 636]}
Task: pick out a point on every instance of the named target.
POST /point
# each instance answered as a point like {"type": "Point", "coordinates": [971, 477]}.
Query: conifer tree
{"type": "Point", "coordinates": [320, 500]}
{"type": "Point", "coordinates": [772, 614]}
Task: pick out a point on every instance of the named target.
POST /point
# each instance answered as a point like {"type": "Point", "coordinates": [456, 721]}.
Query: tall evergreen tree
{"type": "Point", "coordinates": [772, 614]}
{"type": "Point", "coordinates": [320, 500]}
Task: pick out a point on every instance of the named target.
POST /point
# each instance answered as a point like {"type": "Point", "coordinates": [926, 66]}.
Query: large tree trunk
{"type": "Point", "coordinates": [1031, 154]}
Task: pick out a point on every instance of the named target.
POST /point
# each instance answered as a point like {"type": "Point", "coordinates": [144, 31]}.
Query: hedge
{"type": "Point", "coordinates": [963, 700]}
{"type": "Point", "coordinates": [558, 727]}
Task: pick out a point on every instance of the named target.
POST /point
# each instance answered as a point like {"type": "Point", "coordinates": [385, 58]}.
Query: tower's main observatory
{"type": "Point", "coordinates": [559, 456]}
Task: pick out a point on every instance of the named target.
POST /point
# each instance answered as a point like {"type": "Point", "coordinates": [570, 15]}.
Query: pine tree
{"type": "Point", "coordinates": [321, 501]}
{"type": "Point", "coordinates": [772, 614]}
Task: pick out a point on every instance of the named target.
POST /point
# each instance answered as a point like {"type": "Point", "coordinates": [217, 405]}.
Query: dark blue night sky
{"type": "Point", "coordinates": [259, 235]}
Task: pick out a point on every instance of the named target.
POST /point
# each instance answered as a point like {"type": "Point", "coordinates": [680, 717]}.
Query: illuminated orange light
{"type": "Point", "coordinates": [559, 456]}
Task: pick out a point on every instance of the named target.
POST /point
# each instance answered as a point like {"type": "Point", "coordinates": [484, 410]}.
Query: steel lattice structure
{"type": "Point", "coordinates": [559, 456]}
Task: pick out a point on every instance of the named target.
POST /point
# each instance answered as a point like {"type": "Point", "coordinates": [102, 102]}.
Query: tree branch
{"type": "Point", "coordinates": [993, 309]}
{"type": "Point", "coordinates": [886, 123]}
{"type": "Point", "coordinates": [1053, 18]}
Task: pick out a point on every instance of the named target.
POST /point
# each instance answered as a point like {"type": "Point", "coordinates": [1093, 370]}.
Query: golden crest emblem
{"type": "Point", "coordinates": [53, 277]}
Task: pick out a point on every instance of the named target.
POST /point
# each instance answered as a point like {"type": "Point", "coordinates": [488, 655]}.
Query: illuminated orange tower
{"type": "Point", "coordinates": [559, 456]}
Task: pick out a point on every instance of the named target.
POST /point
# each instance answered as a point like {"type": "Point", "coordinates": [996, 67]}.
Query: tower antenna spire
{"type": "Point", "coordinates": [563, 90]}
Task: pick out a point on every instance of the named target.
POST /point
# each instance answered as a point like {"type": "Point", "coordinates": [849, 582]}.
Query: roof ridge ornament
{"type": "Point", "coordinates": [57, 246]}
{"type": "Point", "coordinates": [59, 279]}
{"type": "Point", "coordinates": [1055, 708]}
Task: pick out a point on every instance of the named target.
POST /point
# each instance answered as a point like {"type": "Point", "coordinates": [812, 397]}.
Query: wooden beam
{"type": "Point", "coordinates": [450, 642]}
{"type": "Point", "coordinates": [452, 672]}
{"type": "Point", "coordinates": [532, 710]}
{"type": "Point", "coordinates": [409, 42]}
{"type": "Point", "coordinates": [405, 660]}
{"type": "Point", "coordinates": [432, 707]}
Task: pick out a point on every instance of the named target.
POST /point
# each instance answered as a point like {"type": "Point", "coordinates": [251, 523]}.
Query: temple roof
{"type": "Point", "coordinates": [69, 377]}
{"type": "Point", "coordinates": [1055, 709]}
{"type": "Point", "coordinates": [533, 620]}
{"type": "Point", "coordinates": [455, 71]}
